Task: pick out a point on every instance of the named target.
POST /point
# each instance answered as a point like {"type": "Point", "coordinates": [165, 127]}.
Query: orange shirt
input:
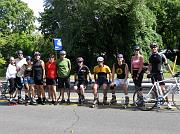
{"type": "Point", "coordinates": [51, 70]}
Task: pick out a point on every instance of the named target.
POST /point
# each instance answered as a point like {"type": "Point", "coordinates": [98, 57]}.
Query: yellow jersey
{"type": "Point", "coordinates": [102, 71]}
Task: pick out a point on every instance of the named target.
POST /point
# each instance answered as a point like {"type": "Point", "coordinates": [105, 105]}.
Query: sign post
{"type": "Point", "coordinates": [57, 45]}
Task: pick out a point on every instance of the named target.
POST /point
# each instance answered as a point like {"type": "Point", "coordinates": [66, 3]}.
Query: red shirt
{"type": "Point", "coordinates": [51, 70]}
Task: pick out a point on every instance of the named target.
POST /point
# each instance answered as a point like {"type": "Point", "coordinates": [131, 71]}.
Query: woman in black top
{"type": "Point", "coordinates": [39, 77]}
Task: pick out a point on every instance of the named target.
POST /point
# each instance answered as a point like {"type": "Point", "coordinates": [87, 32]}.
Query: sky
{"type": "Point", "coordinates": [36, 6]}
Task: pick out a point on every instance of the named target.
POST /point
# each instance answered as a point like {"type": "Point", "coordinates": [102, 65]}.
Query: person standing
{"type": "Point", "coordinates": [11, 76]}
{"type": "Point", "coordinates": [20, 64]}
{"type": "Point", "coordinates": [29, 82]}
{"type": "Point", "coordinates": [137, 63]}
{"type": "Point", "coordinates": [64, 69]}
{"type": "Point", "coordinates": [121, 70]}
{"type": "Point", "coordinates": [156, 62]}
{"type": "Point", "coordinates": [51, 77]}
{"type": "Point", "coordinates": [80, 78]}
{"type": "Point", "coordinates": [39, 77]}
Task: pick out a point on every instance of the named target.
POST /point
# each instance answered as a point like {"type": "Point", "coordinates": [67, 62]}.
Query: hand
{"type": "Point", "coordinates": [90, 81]}
{"type": "Point", "coordinates": [109, 82]}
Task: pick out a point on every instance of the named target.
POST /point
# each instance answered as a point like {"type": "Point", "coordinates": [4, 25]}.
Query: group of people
{"type": "Point", "coordinates": [34, 74]}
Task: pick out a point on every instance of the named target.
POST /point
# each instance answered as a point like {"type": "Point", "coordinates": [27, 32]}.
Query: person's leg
{"type": "Point", "coordinates": [125, 88]}
{"type": "Point", "coordinates": [67, 85]}
{"type": "Point", "coordinates": [94, 88]}
{"type": "Point", "coordinates": [104, 88]}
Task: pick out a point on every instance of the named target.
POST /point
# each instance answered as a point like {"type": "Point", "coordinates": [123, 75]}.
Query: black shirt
{"type": "Point", "coordinates": [156, 61]}
{"type": "Point", "coordinates": [37, 70]}
{"type": "Point", "coordinates": [120, 70]}
{"type": "Point", "coordinates": [82, 72]}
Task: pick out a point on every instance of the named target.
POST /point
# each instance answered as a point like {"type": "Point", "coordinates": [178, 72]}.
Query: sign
{"type": "Point", "coordinates": [57, 43]}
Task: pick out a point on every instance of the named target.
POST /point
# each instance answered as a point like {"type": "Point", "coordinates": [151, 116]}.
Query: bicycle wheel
{"type": "Point", "coordinates": [145, 99]}
{"type": "Point", "coordinates": [176, 98]}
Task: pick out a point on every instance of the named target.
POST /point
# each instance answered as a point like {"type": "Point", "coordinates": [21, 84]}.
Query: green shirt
{"type": "Point", "coordinates": [63, 67]}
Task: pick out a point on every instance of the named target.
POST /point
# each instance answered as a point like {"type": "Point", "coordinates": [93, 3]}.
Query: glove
{"type": "Point", "coordinates": [109, 82]}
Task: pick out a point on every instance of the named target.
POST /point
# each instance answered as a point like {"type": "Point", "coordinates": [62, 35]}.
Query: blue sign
{"type": "Point", "coordinates": [57, 43]}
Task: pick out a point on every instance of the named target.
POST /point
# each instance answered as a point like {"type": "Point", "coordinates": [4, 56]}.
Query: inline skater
{"type": "Point", "coordinates": [100, 77]}
{"type": "Point", "coordinates": [80, 77]}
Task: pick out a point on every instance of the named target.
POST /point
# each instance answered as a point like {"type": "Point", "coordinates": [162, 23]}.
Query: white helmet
{"type": "Point", "coordinates": [100, 59]}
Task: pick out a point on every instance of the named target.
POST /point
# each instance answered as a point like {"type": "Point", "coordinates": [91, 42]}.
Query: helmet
{"type": "Point", "coordinates": [136, 47]}
{"type": "Point", "coordinates": [62, 52]}
{"type": "Point", "coordinates": [79, 59]}
{"type": "Point", "coordinates": [153, 44]}
{"type": "Point", "coordinates": [119, 55]}
{"type": "Point", "coordinates": [100, 59]}
{"type": "Point", "coordinates": [28, 58]}
{"type": "Point", "coordinates": [37, 53]}
{"type": "Point", "coordinates": [19, 52]}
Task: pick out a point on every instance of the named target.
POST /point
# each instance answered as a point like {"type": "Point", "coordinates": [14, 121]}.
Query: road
{"type": "Point", "coordinates": [68, 119]}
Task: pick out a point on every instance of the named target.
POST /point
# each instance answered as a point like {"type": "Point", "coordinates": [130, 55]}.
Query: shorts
{"type": "Point", "coordinates": [100, 82]}
{"type": "Point", "coordinates": [63, 82]}
{"type": "Point", "coordinates": [50, 81]}
{"type": "Point", "coordinates": [28, 80]}
{"type": "Point", "coordinates": [119, 82]}
{"type": "Point", "coordinates": [84, 83]}
{"type": "Point", "coordinates": [38, 82]}
{"type": "Point", "coordinates": [19, 83]}
{"type": "Point", "coordinates": [157, 77]}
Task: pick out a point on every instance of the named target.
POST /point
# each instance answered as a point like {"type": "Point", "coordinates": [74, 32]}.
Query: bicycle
{"type": "Point", "coordinates": [146, 100]}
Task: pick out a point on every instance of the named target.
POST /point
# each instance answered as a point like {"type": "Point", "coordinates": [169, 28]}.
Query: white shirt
{"type": "Point", "coordinates": [11, 71]}
{"type": "Point", "coordinates": [21, 66]}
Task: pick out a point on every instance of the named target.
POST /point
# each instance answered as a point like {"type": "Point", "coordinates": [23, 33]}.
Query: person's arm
{"type": "Point", "coordinates": [141, 65]}
{"type": "Point", "coordinates": [113, 72]}
{"type": "Point", "coordinates": [126, 72]}
{"type": "Point", "coordinates": [43, 67]}
{"type": "Point", "coordinates": [131, 66]}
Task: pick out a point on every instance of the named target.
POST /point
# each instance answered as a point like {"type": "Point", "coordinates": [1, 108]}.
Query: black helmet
{"type": "Point", "coordinates": [37, 53]}
{"type": "Point", "coordinates": [28, 58]}
{"type": "Point", "coordinates": [79, 59]}
{"type": "Point", "coordinates": [62, 52]}
{"type": "Point", "coordinates": [136, 47]}
{"type": "Point", "coordinates": [19, 52]}
{"type": "Point", "coordinates": [153, 44]}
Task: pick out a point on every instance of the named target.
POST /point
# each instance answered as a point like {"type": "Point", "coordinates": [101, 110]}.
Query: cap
{"type": "Point", "coordinates": [79, 59]}
{"type": "Point", "coordinates": [153, 44]}
{"type": "Point", "coordinates": [100, 59]}
{"type": "Point", "coordinates": [119, 55]}
{"type": "Point", "coordinates": [37, 53]}
{"type": "Point", "coordinates": [62, 52]}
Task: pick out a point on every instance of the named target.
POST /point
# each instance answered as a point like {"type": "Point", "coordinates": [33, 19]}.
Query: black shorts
{"type": "Point", "coordinates": [64, 82]}
{"type": "Point", "coordinates": [157, 77]}
{"type": "Point", "coordinates": [50, 81]}
{"type": "Point", "coordinates": [84, 83]}
{"type": "Point", "coordinates": [100, 82]}
{"type": "Point", "coordinates": [38, 82]}
{"type": "Point", "coordinates": [19, 83]}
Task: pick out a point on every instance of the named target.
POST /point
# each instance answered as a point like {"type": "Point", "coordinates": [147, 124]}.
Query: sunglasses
{"type": "Point", "coordinates": [153, 47]}
{"type": "Point", "coordinates": [136, 50]}
{"type": "Point", "coordinates": [120, 57]}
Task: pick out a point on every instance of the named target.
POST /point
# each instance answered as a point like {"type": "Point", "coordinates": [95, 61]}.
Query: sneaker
{"type": "Point", "coordinates": [169, 105]}
{"type": "Point", "coordinates": [96, 101]}
{"type": "Point", "coordinates": [68, 101]}
{"type": "Point", "coordinates": [126, 100]}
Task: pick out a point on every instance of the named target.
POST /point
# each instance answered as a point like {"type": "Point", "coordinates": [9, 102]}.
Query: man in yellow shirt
{"type": "Point", "coordinates": [100, 76]}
